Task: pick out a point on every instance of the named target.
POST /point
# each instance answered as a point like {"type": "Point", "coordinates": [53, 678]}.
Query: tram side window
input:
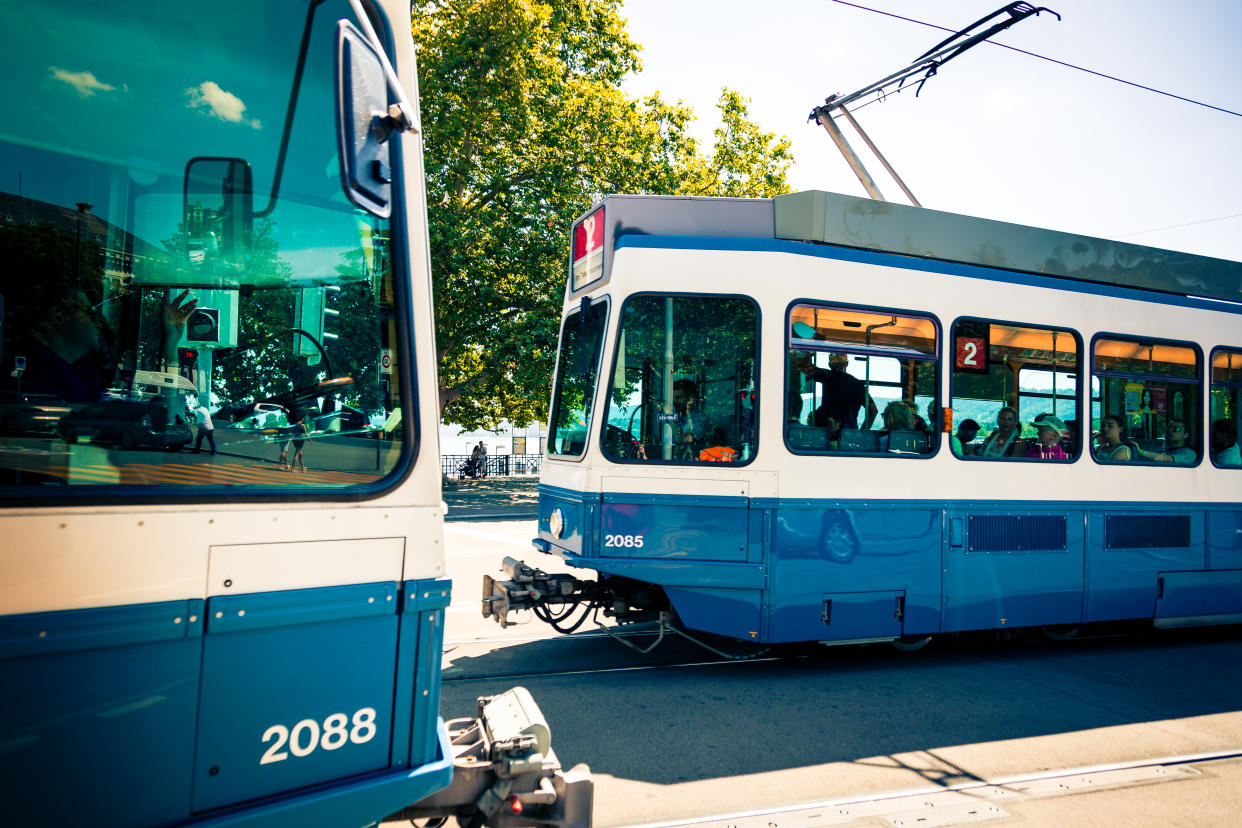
{"type": "Point", "coordinates": [1015, 391]}
{"type": "Point", "coordinates": [860, 381]}
{"type": "Point", "coordinates": [683, 387]}
{"type": "Point", "coordinates": [1224, 415]}
{"type": "Point", "coordinates": [582, 342]}
{"type": "Point", "coordinates": [1145, 401]}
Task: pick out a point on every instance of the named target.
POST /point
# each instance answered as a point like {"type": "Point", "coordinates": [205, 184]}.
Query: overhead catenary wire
{"type": "Point", "coordinates": [1039, 56]}
{"type": "Point", "coordinates": [1184, 224]}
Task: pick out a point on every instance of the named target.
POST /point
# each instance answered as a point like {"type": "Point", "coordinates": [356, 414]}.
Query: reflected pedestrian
{"type": "Point", "coordinates": [299, 436]}
{"type": "Point", "coordinates": [205, 428]}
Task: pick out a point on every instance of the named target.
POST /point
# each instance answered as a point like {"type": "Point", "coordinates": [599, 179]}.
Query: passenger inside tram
{"type": "Point", "coordinates": [1176, 450]}
{"type": "Point", "coordinates": [1047, 446]}
{"type": "Point", "coordinates": [1225, 444]}
{"type": "Point", "coordinates": [962, 441]}
{"type": "Point", "coordinates": [1111, 441]}
{"type": "Point", "coordinates": [842, 394]}
{"type": "Point", "coordinates": [1004, 441]}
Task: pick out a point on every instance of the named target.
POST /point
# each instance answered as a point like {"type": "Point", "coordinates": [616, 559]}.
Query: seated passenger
{"type": "Point", "coordinates": [1175, 449]}
{"type": "Point", "coordinates": [960, 442]}
{"type": "Point", "coordinates": [1225, 444]}
{"type": "Point", "coordinates": [719, 451]}
{"type": "Point", "coordinates": [1110, 442]}
{"type": "Point", "coordinates": [1003, 442]}
{"type": "Point", "coordinates": [898, 416]}
{"type": "Point", "coordinates": [1070, 441]}
{"type": "Point", "coordinates": [1048, 444]}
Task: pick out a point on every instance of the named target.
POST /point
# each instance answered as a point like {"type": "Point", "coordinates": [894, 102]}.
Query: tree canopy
{"type": "Point", "coordinates": [525, 126]}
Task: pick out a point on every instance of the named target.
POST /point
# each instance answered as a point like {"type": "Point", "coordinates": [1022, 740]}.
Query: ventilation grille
{"type": "Point", "coordinates": [1017, 533]}
{"type": "Point", "coordinates": [1147, 531]}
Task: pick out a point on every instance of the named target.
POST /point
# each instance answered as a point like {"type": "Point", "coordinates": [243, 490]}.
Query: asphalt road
{"type": "Point", "coordinates": [676, 735]}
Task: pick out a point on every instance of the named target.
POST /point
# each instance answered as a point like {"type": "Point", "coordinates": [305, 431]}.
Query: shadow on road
{"type": "Point", "coordinates": [844, 704]}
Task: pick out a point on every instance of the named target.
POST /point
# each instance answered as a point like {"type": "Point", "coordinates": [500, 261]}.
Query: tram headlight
{"type": "Point", "coordinates": [556, 522]}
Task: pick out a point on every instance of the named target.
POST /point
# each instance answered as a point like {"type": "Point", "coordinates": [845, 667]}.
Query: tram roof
{"type": "Point", "coordinates": [849, 221]}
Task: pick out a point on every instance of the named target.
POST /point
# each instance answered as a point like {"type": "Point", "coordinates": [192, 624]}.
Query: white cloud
{"type": "Point", "coordinates": [85, 83]}
{"type": "Point", "coordinates": [221, 104]}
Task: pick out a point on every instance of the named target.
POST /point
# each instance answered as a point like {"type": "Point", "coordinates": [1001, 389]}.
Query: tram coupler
{"type": "Point", "coordinates": [505, 773]}
{"type": "Point", "coordinates": [527, 586]}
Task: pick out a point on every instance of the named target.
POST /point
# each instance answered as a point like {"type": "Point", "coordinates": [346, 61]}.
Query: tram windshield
{"type": "Point", "coordinates": [582, 341]}
{"type": "Point", "coordinates": [183, 271]}
{"type": "Point", "coordinates": [683, 388]}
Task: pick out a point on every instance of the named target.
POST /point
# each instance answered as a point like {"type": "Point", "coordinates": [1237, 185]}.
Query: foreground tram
{"type": "Point", "coordinates": [223, 581]}
{"type": "Point", "coordinates": [819, 418]}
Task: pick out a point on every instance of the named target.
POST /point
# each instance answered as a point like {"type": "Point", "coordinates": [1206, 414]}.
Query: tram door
{"type": "Point", "coordinates": [1014, 568]}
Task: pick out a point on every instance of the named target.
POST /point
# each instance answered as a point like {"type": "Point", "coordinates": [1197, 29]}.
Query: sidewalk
{"type": "Point", "coordinates": [492, 498]}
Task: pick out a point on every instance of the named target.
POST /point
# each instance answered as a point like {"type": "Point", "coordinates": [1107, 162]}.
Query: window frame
{"type": "Point", "coordinates": [616, 351]}
{"type": "Point", "coordinates": [1198, 381]}
{"type": "Point", "coordinates": [589, 302]}
{"type": "Point", "coordinates": [1211, 383]}
{"type": "Point", "coordinates": [935, 357]}
{"type": "Point", "coordinates": [1080, 373]}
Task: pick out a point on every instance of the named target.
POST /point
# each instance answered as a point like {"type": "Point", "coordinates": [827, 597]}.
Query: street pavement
{"type": "Point", "coordinates": [492, 498]}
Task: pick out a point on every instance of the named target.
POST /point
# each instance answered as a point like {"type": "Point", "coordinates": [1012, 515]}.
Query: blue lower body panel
{"type": "Point", "coordinates": [97, 714]}
{"type": "Point", "coordinates": [315, 706]}
{"type": "Point", "coordinates": [819, 570]}
{"type": "Point", "coordinates": [1200, 597]}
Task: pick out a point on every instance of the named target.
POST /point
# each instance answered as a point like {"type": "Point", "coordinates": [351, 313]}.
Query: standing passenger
{"type": "Point", "coordinates": [843, 395]}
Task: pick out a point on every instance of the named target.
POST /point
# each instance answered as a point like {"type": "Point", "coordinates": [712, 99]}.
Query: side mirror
{"type": "Point", "coordinates": [364, 122]}
{"type": "Point", "coordinates": [218, 209]}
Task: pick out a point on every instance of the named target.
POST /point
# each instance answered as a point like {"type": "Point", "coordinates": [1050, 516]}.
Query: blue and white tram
{"type": "Point", "coordinates": [222, 573]}
{"type": "Point", "coordinates": [753, 437]}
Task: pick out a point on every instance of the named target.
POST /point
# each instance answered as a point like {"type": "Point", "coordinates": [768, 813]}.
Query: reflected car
{"type": "Point", "coordinates": [345, 418]}
{"type": "Point", "coordinates": [125, 423]}
{"type": "Point", "coordinates": [26, 412]}
{"type": "Point", "coordinates": [261, 417]}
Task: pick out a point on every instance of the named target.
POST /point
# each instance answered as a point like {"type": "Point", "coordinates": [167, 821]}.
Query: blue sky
{"type": "Point", "coordinates": [997, 134]}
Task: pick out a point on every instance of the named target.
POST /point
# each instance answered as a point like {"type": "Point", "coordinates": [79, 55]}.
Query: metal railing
{"type": "Point", "coordinates": [498, 465]}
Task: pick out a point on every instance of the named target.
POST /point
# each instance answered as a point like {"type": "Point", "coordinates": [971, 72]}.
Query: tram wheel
{"type": "Point", "coordinates": [910, 643]}
{"type": "Point", "coordinates": [1064, 632]}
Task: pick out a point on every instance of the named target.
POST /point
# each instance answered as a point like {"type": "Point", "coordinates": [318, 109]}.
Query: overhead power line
{"type": "Point", "coordinates": [1044, 57]}
{"type": "Point", "coordinates": [1186, 224]}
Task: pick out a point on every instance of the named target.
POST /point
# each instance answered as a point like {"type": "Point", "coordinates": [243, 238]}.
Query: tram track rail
{"type": "Point", "coordinates": [450, 679]}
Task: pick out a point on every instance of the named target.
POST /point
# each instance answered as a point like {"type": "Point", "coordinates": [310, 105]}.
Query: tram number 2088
{"type": "Point", "coordinates": [308, 735]}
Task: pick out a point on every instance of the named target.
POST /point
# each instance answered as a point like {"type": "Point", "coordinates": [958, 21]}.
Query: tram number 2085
{"type": "Point", "coordinates": [309, 735]}
{"type": "Point", "coordinates": [632, 541]}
